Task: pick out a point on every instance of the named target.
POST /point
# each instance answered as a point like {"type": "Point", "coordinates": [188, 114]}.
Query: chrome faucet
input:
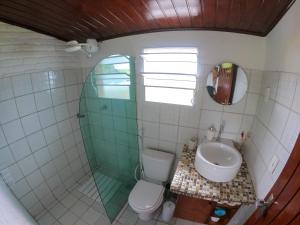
{"type": "Point", "coordinates": [221, 129]}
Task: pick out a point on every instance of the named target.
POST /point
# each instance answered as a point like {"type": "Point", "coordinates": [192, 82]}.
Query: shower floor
{"type": "Point", "coordinates": [113, 192]}
{"type": "Point", "coordinates": [75, 207]}
{"type": "Point", "coordinates": [107, 185]}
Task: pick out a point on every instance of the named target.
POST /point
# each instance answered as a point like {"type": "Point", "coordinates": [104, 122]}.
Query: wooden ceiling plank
{"type": "Point", "coordinates": [209, 13]}
{"type": "Point", "coordinates": [267, 7]}
{"type": "Point", "coordinates": [102, 9]}
{"type": "Point", "coordinates": [78, 19]}
{"type": "Point", "coordinates": [102, 16]}
{"type": "Point", "coordinates": [157, 12]}
{"type": "Point", "coordinates": [46, 17]}
{"type": "Point", "coordinates": [182, 12]}
{"type": "Point", "coordinates": [95, 28]}
{"type": "Point", "coordinates": [278, 13]}
{"type": "Point", "coordinates": [196, 12]}
{"type": "Point", "coordinates": [255, 13]}
{"type": "Point", "coordinates": [138, 10]}
{"type": "Point", "coordinates": [223, 11]}
{"type": "Point", "coordinates": [50, 9]}
{"type": "Point", "coordinates": [131, 15]}
{"type": "Point", "coordinates": [12, 13]}
{"type": "Point", "coordinates": [148, 13]}
{"type": "Point", "coordinates": [33, 28]}
{"type": "Point", "coordinates": [18, 19]}
{"type": "Point", "coordinates": [235, 18]}
{"type": "Point", "coordinates": [167, 8]}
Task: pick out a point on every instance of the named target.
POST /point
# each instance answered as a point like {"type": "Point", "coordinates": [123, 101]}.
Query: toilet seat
{"type": "Point", "coordinates": [146, 196]}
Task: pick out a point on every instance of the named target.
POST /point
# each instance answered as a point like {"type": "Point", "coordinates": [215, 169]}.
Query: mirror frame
{"type": "Point", "coordinates": [231, 94]}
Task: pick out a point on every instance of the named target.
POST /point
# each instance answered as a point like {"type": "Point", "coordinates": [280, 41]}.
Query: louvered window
{"type": "Point", "coordinates": [170, 75]}
{"type": "Point", "coordinates": [113, 76]}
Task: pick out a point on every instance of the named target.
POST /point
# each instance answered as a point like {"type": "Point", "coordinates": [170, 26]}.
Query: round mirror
{"type": "Point", "coordinates": [227, 83]}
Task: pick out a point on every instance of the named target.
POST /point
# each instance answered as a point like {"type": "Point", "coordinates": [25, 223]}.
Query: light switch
{"type": "Point", "coordinates": [273, 164]}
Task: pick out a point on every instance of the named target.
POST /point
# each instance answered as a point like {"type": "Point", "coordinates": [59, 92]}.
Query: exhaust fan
{"type": "Point", "coordinates": [91, 46]}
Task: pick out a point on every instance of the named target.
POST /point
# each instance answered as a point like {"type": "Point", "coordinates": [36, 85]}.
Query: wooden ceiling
{"type": "Point", "coordinates": [105, 19]}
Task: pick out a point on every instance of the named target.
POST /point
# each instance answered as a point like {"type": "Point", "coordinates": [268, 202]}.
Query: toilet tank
{"type": "Point", "coordinates": [157, 164]}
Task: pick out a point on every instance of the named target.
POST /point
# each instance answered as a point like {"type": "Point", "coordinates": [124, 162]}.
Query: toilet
{"type": "Point", "coordinates": [148, 194]}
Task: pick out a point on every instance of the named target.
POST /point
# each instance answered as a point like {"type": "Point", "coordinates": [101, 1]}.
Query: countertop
{"type": "Point", "coordinates": [187, 181]}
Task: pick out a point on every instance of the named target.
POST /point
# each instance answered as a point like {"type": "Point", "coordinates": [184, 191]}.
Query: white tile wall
{"type": "Point", "coordinates": [37, 129]}
{"type": "Point", "coordinates": [38, 139]}
{"type": "Point", "coordinates": [168, 127]}
{"type": "Point", "coordinates": [275, 129]}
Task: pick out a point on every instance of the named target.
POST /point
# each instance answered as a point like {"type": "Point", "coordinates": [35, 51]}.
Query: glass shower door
{"type": "Point", "coordinates": [108, 123]}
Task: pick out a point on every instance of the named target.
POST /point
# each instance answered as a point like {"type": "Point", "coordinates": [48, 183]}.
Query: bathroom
{"type": "Point", "coordinates": [72, 153]}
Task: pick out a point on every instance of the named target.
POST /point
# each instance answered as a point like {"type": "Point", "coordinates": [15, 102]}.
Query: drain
{"type": "Point", "coordinates": [217, 164]}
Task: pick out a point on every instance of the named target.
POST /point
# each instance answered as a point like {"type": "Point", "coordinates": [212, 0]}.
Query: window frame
{"type": "Point", "coordinates": [187, 77]}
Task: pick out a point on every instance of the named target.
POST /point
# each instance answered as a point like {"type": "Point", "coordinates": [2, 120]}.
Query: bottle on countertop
{"type": "Point", "coordinates": [193, 143]}
{"type": "Point", "coordinates": [211, 132]}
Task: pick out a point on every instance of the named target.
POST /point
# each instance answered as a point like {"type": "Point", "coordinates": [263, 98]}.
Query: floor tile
{"type": "Point", "coordinates": [46, 219]}
{"type": "Point", "coordinates": [128, 217]}
{"type": "Point", "coordinates": [68, 219]}
{"type": "Point", "coordinates": [79, 208]}
{"type": "Point", "coordinates": [91, 216]}
{"type": "Point", "coordinates": [69, 201]}
{"type": "Point", "coordinates": [58, 210]}
{"type": "Point", "coordinates": [183, 222]}
{"type": "Point", "coordinates": [160, 223]}
{"type": "Point", "coordinates": [80, 222]}
{"type": "Point", "coordinates": [141, 222]}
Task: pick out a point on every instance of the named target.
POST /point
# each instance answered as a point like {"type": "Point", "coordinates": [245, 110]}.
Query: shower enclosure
{"type": "Point", "coordinates": [108, 123]}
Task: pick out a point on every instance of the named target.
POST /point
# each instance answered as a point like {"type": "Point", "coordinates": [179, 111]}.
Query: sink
{"type": "Point", "coordinates": [217, 161]}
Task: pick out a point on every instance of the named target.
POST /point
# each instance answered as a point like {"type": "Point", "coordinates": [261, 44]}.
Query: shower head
{"type": "Point", "coordinates": [91, 46]}
{"type": "Point", "coordinates": [74, 48]}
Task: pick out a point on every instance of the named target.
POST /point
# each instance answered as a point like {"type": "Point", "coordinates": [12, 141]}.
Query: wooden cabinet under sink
{"type": "Point", "coordinates": [200, 211]}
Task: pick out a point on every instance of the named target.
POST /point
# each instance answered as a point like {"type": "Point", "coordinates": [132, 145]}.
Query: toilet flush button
{"type": "Point", "coordinates": [273, 164]}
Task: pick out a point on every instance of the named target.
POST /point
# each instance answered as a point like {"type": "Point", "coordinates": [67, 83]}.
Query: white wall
{"type": "Point", "coordinates": [11, 211]}
{"type": "Point", "coordinates": [277, 121]}
{"type": "Point", "coordinates": [168, 127]}
{"type": "Point", "coordinates": [41, 150]}
{"type": "Point", "coordinates": [214, 47]}
{"type": "Point", "coordinates": [283, 43]}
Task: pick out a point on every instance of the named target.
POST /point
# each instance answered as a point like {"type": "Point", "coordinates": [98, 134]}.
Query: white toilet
{"type": "Point", "coordinates": [147, 195]}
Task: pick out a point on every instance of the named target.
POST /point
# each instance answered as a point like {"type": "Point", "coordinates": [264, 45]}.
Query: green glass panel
{"type": "Point", "coordinates": [109, 129]}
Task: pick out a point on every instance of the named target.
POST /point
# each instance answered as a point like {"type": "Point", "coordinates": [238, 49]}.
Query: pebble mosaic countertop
{"type": "Point", "coordinates": [187, 181]}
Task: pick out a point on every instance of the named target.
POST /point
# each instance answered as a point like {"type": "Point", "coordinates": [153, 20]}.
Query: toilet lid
{"type": "Point", "coordinates": [145, 195]}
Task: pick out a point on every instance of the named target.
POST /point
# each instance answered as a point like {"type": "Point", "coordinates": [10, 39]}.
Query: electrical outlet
{"type": "Point", "coordinates": [273, 164]}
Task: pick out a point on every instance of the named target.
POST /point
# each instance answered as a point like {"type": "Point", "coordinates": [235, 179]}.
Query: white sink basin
{"type": "Point", "coordinates": [218, 162]}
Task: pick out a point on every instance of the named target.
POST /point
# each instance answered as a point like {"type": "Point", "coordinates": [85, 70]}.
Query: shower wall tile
{"type": "Point", "coordinates": [13, 131]}
{"type": "Point", "coordinates": [41, 147]}
{"type": "Point", "coordinates": [27, 110]}
{"type": "Point", "coordinates": [8, 111]}
{"type": "Point", "coordinates": [26, 105]}
{"type": "Point", "coordinates": [22, 85]}
{"type": "Point", "coordinates": [6, 91]}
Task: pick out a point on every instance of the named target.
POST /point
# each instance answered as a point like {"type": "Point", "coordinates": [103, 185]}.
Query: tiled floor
{"type": "Point", "coordinates": [130, 218]}
{"type": "Point", "coordinates": [75, 208]}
